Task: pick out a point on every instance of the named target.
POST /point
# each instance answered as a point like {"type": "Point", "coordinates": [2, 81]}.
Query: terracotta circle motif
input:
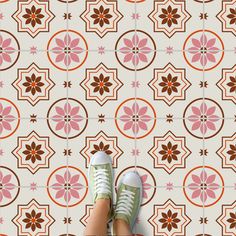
{"type": "Point", "coordinates": [9, 183]}
{"type": "Point", "coordinates": [68, 186]}
{"type": "Point", "coordinates": [135, 50]}
{"type": "Point", "coordinates": [67, 50]}
{"type": "Point", "coordinates": [203, 118]}
{"type": "Point", "coordinates": [67, 118]}
{"type": "Point", "coordinates": [135, 1]}
{"type": "Point", "coordinates": [67, 1]}
{"type": "Point", "coordinates": [203, 186]}
{"type": "Point", "coordinates": [9, 118]}
{"type": "Point", "coordinates": [203, 50]}
{"type": "Point", "coordinates": [135, 118]}
{"type": "Point", "coordinates": [9, 50]}
{"type": "Point", "coordinates": [203, 1]}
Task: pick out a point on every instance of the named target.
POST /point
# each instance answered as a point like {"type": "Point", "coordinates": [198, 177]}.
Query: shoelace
{"type": "Point", "coordinates": [102, 183]}
{"type": "Point", "coordinates": [125, 202]}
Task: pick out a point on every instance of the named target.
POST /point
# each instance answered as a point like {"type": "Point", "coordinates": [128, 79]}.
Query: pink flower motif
{"type": "Point", "coordinates": [67, 50]}
{"type": "Point", "coordinates": [67, 118]}
{"type": "Point", "coordinates": [203, 118]}
{"type": "Point", "coordinates": [67, 186]}
{"type": "Point", "coordinates": [203, 50]}
{"type": "Point", "coordinates": [203, 186]}
{"type": "Point", "coordinates": [135, 50]}
{"type": "Point", "coordinates": [135, 118]}
{"type": "Point", "coordinates": [5, 50]}
{"type": "Point", "coordinates": [5, 118]}
{"type": "Point", "coordinates": [5, 186]}
{"type": "Point", "coordinates": [146, 186]}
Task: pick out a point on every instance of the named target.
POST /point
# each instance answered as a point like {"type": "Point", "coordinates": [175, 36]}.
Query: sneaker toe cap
{"type": "Point", "coordinates": [132, 179]}
{"type": "Point", "coordinates": [100, 158]}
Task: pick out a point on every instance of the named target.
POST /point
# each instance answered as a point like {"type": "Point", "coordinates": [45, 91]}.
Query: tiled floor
{"type": "Point", "coordinates": [150, 82]}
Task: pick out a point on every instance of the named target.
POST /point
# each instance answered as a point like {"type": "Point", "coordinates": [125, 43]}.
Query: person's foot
{"type": "Point", "coordinates": [129, 198]}
{"type": "Point", "coordinates": [100, 175]}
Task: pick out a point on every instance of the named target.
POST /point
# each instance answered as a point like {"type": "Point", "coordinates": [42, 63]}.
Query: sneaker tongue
{"type": "Point", "coordinates": [102, 195]}
{"type": "Point", "coordinates": [100, 166]}
{"type": "Point", "coordinates": [130, 188]}
{"type": "Point", "coordinates": [121, 215]}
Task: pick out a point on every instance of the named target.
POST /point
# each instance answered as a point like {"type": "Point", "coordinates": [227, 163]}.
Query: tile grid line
{"type": "Point", "coordinates": [66, 125]}
{"type": "Point", "coordinates": [118, 50]}
{"type": "Point", "coordinates": [113, 51]}
{"type": "Point", "coordinates": [135, 94]}
{"type": "Point", "coordinates": [0, 96]}
{"type": "Point", "coordinates": [0, 142]}
{"type": "Point", "coordinates": [67, 121]}
{"type": "Point", "coordinates": [118, 118]}
{"type": "Point", "coordinates": [203, 96]}
{"type": "Point", "coordinates": [151, 186]}
{"type": "Point", "coordinates": [135, 87]}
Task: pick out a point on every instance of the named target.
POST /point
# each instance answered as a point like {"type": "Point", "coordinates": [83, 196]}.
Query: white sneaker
{"type": "Point", "coordinates": [129, 198]}
{"type": "Point", "coordinates": [100, 175]}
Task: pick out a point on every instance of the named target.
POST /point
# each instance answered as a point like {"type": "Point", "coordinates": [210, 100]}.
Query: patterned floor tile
{"type": "Point", "coordinates": [102, 135]}
{"type": "Point", "coordinates": [220, 85]}
{"type": "Point", "coordinates": [169, 152]}
{"type": "Point", "coordinates": [100, 84]}
{"type": "Point", "coordinates": [101, 32]}
{"type": "Point", "coordinates": [185, 84]}
{"type": "Point", "coordinates": [153, 218]}
{"type": "Point", "coordinates": [151, 83]}
{"type": "Point", "coordinates": [219, 217]}
{"type": "Point", "coordinates": [169, 22]}
{"type": "Point", "coordinates": [33, 155]}
{"type": "Point", "coordinates": [32, 23]}
{"type": "Point", "coordinates": [32, 211]}
{"type": "Point", "coordinates": [33, 83]}
{"type": "Point", "coordinates": [220, 153]}
{"type": "Point", "coordinates": [220, 18]}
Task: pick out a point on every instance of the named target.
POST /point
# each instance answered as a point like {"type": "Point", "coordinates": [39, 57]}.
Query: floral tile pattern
{"type": "Point", "coordinates": [150, 82]}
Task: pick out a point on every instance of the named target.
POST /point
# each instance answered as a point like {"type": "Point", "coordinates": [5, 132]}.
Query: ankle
{"type": "Point", "coordinates": [122, 222]}
{"type": "Point", "coordinates": [121, 227]}
{"type": "Point", "coordinates": [106, 203]}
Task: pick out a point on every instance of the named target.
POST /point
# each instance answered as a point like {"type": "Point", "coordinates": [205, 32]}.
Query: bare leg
{"type": "Point", "coordinates": [121, 228]}
{"type": "Point", "coordinates": [97, 223]}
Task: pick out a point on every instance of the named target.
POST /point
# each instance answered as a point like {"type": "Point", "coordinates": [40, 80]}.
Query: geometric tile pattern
{"type": "Point", "coordinates": [150, 82]}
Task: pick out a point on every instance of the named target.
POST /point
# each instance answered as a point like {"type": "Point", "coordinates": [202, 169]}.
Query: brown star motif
{"type": "Point", "coordinates": [33, 220]}
{"type": "Point", "coordinates": [169, 16]}
{"type": "Point", "coordinates": [67, 16]}
{"type": "Point", "coordinates": [203, 152]}
{"type": "Point", "coordinates": [203, 16]}
{"type": "Point", "coordinates": [67, 220]}
{"type": "Point", "coordinates": [203, 84]}
{"type": "Point", "coordinates": [169, 118]}
{"type": "Point", "coordinates": [101, 16]}
{"type": "Point", "coordinates": [33, 16]}
{"type": "Point", "coordinates": [67, 152]}
{"type": "Point", "coordinates": [33, 118]}
{"type": "Point", "coordinates": [203, 220]}
{"type": "Point", "coordinates": [67, 84]}
{"type": "Point", "coordinates": [101, 118]}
